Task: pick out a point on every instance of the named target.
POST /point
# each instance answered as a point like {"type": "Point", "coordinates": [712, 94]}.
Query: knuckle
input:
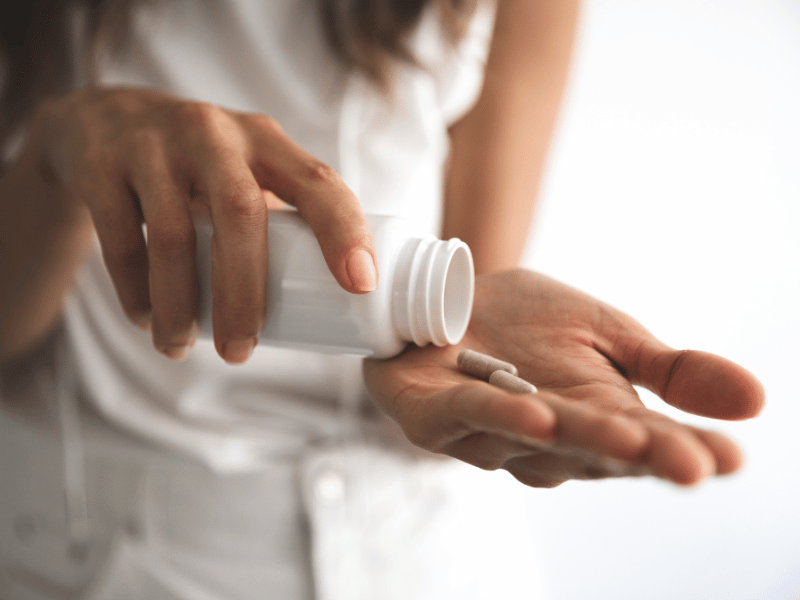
{"type": "Point", "coordinates": [265, 123]}
{"type": "Point", "coordinates": [199, 115]}
{"type": "Point", "coordinates": [317, 172]}
{"type": "Point", "coordinates": [242, 201]}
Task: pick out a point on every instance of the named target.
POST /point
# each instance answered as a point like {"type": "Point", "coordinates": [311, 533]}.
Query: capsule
{"type": "Point", "coordinates": [511, 383]}
{"type": "Point", "coordinates": [482, 365]}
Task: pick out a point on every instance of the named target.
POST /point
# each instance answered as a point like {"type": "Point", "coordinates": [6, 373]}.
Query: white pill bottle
{"type": "Point", "coordinates": [424, 295]}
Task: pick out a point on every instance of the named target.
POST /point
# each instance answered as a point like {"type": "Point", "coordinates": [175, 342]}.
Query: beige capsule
{"type": "Point", "coordinates": [511, 383]}
{"type": "Point", "coordinates": [482, 365]}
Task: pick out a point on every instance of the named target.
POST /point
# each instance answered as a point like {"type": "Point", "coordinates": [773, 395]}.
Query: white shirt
{"type": "Point", "coordinates": [244, 454]}
{"type": "Point", "coordinates": [271, 57]}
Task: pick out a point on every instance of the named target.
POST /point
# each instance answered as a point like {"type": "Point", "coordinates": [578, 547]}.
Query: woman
{"type": "Point", "coordinates": [200, 479]}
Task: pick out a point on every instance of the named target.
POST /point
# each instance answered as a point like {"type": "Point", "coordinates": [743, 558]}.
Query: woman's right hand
{"type": "Point", "coordinates": [137, 156]}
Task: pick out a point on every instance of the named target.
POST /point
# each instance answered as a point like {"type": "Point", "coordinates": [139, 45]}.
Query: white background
{"type": "Point", "coordinates": [673, 193]}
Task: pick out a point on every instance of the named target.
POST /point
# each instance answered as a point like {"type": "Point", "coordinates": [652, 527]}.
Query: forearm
{"type": "Point", "coordinates": [500, 147]}
{"type": "Point", "coordinates": [43, 239]}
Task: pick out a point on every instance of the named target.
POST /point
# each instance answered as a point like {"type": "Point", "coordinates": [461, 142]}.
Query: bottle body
{"type": "Point", "coordinates": [306, 307]}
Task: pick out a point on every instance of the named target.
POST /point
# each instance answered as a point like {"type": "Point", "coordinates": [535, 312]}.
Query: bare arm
{"type": "Point", "coordinates": [499, 148]}
{"type": "Point", "coordinates": [43, 238]}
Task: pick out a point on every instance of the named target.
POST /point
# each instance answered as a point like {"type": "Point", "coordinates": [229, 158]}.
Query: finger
{"type": "Point", "coordinates": [547, 466]}
{"type": "Point", "coordinates": [674, 451]}
{"type": "Point", "coordinates": [582, 426]}
{"type": "Point", "coordinates": [485, 451]}
{"type": "Point", "coordinates": [170, 246]}
{"type": "Point", "coordinates": [706, 384]}
{"type": "Point", "coordinates": [322, 199]}
{"type": "Point", "coordinates": [118, 224]}
{"type": "Point", "coordinates": [693, 381]}
{"type": "Point", "coordinates": [238, 215]}
{"type": "Point", "coordinates": [239, 259]}
{"type": "Point", "coordinates": [544, 469]}
{"type": "Point", "coordinates": [462, 410]}
{"type": "Point", "coordinates": [484, 408]}
{"type": "Point", "coordinates": [727, 453]}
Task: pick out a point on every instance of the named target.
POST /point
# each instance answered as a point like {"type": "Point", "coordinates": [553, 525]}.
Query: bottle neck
{"type": "Point", "coordinates": [434, 285]}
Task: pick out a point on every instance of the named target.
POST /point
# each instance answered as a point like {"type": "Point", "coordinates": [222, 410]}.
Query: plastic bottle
{"type": "Point", "coordinates": [424, 295]}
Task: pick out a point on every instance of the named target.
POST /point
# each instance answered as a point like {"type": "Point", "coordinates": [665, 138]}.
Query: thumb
{"type": "Point", "coordinates": [696, 382]}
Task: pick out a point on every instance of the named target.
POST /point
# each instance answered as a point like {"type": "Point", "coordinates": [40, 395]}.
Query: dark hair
{"type": "Point", "coordinates": [37, 56]}
{"type": "Point", "coordinates": [368, 34]}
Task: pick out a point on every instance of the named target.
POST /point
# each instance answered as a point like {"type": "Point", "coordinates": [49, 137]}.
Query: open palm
{"type": "Point", "coordinates": [587, 420]}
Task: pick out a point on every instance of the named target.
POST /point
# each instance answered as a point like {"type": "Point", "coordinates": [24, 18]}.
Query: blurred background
{"type": "Point", "coordinates": [673, 193]}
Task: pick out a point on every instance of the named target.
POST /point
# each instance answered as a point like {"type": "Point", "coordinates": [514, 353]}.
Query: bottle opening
{"type": "Point", "coordinates": [434, 288]}
{"type": "Point", "coordinates": [459, 290]}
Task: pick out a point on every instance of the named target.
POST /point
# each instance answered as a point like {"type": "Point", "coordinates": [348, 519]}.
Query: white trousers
{"type": "Point", "coordinates": [340, 521]}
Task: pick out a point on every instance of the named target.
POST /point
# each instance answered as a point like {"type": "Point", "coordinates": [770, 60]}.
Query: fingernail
{"type": "Point", "coordinates": [362, 271]}
{"type": "Point", "coordinates": [238, 351]}
{"type": "Point", "coordinates": [175, 352]}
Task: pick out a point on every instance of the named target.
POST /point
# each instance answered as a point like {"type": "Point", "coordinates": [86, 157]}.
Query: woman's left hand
{"type": "Point", "coordinates": [586, 421]}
